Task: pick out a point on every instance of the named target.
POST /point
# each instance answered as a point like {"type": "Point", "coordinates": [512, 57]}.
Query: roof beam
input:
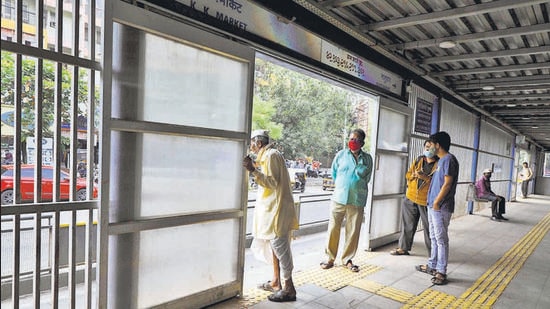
{"type": "Point", "coordinates": [473, 37]}
{"type": "Point", "coordinates": [470, 10]}
{"type": "Point", "coordinates": [522, 111]}
{"type": "Point", "coordinates": [502, 82]}
{"type": "Point", "coordinates": [495, 69]}
{"type": "Point", "coordinates": [340, 3]}
{"type": "Point", "coordinates": [523, 103]}
{"type": "Point", "coordinates": [515, 89]}
{"type": "Point", "coordinates": [492, 98]}
{"type": "Point", "coordinates": [486, 55]}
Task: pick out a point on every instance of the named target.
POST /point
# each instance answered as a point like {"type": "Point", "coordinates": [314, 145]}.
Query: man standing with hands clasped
{"type": "Point", "coordinates": [274, 215]}
{"type": "Point", "coordinates": [351, 172]}
{"type": "Point", "coordinates": [441, 205]}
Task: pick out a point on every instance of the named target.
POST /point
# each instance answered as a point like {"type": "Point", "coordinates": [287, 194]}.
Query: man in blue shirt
{"type": "Point", "coordinates": [351, 172]}
{"type": "Point", "coordinates": [441, 205]}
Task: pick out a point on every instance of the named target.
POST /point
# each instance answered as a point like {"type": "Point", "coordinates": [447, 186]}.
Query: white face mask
{"type": "Point", "coordinates": [430, 153]}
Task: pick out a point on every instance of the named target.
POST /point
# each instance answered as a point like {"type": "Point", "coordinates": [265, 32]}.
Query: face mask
{"type": "Point", "coordinates": [430, 153]}
{"type": "Point", "coordinates": [354, 145]}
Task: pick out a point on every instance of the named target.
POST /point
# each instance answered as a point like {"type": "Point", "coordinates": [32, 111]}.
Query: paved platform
{"type": "Point", "coordinates": [491, 265]}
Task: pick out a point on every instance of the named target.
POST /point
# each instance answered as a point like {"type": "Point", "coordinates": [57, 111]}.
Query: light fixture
{"type": "Point", "coordinates": [511, 105]}
{"type": "Point", "coordinates": [488, 87]}
{"type": "Point", "coordinates": [447, 44]}
{"type": "Point", "coordinates": [534, 127]}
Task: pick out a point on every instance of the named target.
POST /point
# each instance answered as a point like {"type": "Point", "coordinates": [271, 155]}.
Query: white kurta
{"type": "Point", "coordinates": [274, 215]}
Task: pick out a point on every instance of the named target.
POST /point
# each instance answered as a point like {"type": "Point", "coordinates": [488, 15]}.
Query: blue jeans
{"type": "Point", "coordinates": [439, 235]}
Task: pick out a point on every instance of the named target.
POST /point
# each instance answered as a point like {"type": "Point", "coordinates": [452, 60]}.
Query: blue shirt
{"type": "Point", "coordinates": [448, 165]}
{"type": "Point", "coordinates": [351, 178]}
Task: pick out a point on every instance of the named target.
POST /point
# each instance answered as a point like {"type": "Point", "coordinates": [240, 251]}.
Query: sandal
{"type": "Point", "coordinates": [281, 296]}
{"type": "Point", "coordinates": [426, 269]}
{"type": "Point", "coordinates": [439, 279]}
{"type": "Point", "coordinates": [350, 266]}
{"type": "Point", "coordinates": [399, 251]}
{"type": "Point", "coordinates": [327, 265]}
{"type": "Point", "coordinates": [266, 286]}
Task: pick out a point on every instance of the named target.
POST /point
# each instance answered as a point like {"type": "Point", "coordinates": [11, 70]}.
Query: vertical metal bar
{"type": "Point", "coordinates": [17, 143]}
{"type": "Point", "coordinates": [38, 159]}
{"type": "Point", "coordinates": [57, 155]}
{"type": "Point", "coordinates": [90, 159]}
{"type": "Point", "coordinates": [88, 258]}
{"type": "Point", "coordinates": [72, 261]}
{"type": "Point", "coordinates": [16, 260]}
{"type": "Point", "coordinates": [90, 125]}
{"type": "Point", "coordinates": [55, 262]}
{"type": "Point", "coordinates": [38, 256]}
{"type": "Point", "coordinates": [39, 96]}
{"type": "Point", "coordinates": [104, 158]}
{"type": "Point", "coordinates": [58, 104]}
{"type": "Point", "coordinates": [74, 132]}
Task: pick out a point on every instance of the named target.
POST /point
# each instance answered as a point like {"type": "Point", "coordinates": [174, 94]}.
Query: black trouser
{"type": "Point", "coordinates": [496, 201]}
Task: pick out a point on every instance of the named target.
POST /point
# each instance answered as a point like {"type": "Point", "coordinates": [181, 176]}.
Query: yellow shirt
{"type": "Point", "coordinates": [274, 215]}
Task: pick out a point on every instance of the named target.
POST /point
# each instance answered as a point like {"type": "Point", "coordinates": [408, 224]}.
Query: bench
{"type": "Point", "coordinates": [471, 196]}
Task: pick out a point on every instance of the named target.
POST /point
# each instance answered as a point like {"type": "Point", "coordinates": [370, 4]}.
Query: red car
{"type": "Point", "coordinates": [27, 185]}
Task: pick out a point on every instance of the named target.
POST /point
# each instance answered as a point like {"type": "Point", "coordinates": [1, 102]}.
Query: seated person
{"type": "Point", "coordinates": [483, 190]}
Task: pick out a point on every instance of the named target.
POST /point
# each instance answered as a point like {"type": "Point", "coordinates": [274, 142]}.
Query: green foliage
{"type": "Point", "coordinates": [315, 117]}
{"type": "Point", "coordinates": [28, 92]}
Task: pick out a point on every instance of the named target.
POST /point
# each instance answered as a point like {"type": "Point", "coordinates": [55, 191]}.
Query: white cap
{"type": "Point", "coordinates": [487, 170]}
{"type": "Point", "coordinates": [257, 133]}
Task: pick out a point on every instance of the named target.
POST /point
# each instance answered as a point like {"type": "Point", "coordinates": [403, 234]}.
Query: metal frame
{"type": "Point", "coordinates": [38, 209]}
{"type": "Point", "coordinates": [127, 14]}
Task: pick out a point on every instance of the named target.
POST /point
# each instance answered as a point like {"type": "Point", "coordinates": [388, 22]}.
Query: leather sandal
{"type": "Point", "coordinates": [399, 251]}
{"type": "Point", "coordinates": [426, 269]}
{"type": "Point", "coordinates": [327, 265]}
{"type": "Point", "coordinates": [439, 279]}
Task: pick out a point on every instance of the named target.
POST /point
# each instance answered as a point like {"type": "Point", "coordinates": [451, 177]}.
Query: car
{"type": "Point", "coordinates": [27, 184]}
{"type": "Point", "coordinates": [328, 182]}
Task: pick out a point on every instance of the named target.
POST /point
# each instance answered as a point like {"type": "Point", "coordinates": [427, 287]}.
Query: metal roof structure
{"type": "Point", "coordinates": [493, 56]}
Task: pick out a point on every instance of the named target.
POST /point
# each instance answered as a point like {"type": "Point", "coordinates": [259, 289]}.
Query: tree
{"type": "Point", "coordinates": [28, 93]}
{"type": "Point", "coordinates": [316, 117]}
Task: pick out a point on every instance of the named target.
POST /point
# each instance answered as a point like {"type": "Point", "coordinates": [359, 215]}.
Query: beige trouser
{"type": "Point", "coordinates": [354, 218]}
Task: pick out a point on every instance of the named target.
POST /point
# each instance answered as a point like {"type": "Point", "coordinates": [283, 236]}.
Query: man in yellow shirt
{"type": "Point", "coordinates": [414, 204]}
{"type": "Point", "coordinates": [274, 215]}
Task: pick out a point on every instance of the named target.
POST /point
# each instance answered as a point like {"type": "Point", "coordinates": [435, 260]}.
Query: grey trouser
{"type": "Point", "coordinates": [410, 214]}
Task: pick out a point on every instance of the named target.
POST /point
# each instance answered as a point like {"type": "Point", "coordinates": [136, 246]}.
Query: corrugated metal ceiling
{"type": "Point", "coordinates": [504, 45]}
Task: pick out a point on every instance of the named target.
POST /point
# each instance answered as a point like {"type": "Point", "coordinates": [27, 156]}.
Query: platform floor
{"type": "Point", "coordinates": [491, 265]}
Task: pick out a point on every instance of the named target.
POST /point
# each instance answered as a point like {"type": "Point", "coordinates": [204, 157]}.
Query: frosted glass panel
{"type": "Point", "coordinates": [183, 174]}
{"type": "Point", "coordinates": [387, 211]}
{"type": "Point", "coordinates": [392, 132]}
{"type": "Point", "coordinates": [186, 85]}
{"type": "Point", "coordinates": [389, 175]}
{"type": "Point", "coordinates": [176, 262]}
{"type": "Point", "coordinates": [170, 82]}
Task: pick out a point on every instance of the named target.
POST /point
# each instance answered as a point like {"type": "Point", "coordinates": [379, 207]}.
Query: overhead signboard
{"type": "Point", "coordinates": [250, 17]}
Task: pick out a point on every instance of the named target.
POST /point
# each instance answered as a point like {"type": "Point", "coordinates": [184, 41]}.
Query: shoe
{"type": "Point", "coordinates": [281, 296]}
{"type": "Point", "coordinates": [353, 268]}
{"type": "Point", "coordinates": [327, 265]}
{"type": "Point", "coordinates": [502, 218]}
{"type": "Point", "coordinates": [496, 219]}
{"type": "Point", "coordinates": [399, 251]}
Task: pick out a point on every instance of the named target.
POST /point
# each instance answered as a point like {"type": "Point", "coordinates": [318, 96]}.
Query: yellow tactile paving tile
{"type": "Point", "coordinates": [332, 279]}
{"type": "Point", "coordinates": [482, 294]}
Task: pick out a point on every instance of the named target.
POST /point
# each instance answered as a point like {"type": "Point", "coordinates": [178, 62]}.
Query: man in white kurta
{"type": "Point", "coordinates": [274, 215]}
